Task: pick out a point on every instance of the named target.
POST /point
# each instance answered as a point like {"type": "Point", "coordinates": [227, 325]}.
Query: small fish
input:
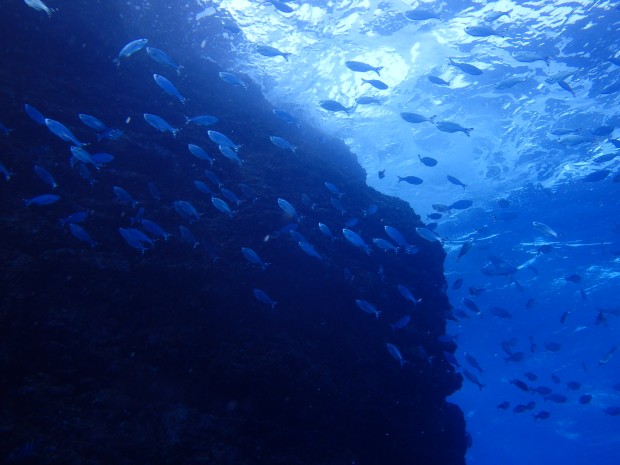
{"type": "Point", "coordinates": [456, 285]}
{"type": "Point", "coordinates": [200, 153]}
{"type": "Point", "coordinates": [81, 234]}
{"type": "Point", "coordinates": [520, 384]}
{"type": "Point", "coordinates": [400, 323]}
{"type": "Point", "coordinates": [421, 14]}
{"type": "Point", "coordinates": [281, 6]}
{"type": "Point", "coordinates": [450, 127]}
{"type": "Point", "coordinates": [361, 67]}
{"type": "Point", "coordinates": [585, 399]}
{"type": "Point", "coordinates": [163, 58]}
{"type": "Point", "coordinates": [286, 117]}
{"type": "Point", "coordinates": [77, 217]}
{"type": "Point", "coordinates": [482, 31]}
{"type": "Point", "coordinates": [153, 228]}
{"type": "Point", "coordinates": [34, 114]}
{"type": "Point", "coordinates": [45, 176]}
{"type": "Point", "coordinates": [612, 411]}
{"type": "Point", "coordinates": [557, 398]}
{"type": "Point", "coordinates": [466, 68]}
{"type": "Point", "coordinates": [40, 200]}
{"type": "Point", "coordinates": [531, 376]}
{"type": "Point", "coordinates": [202, 120]}
{"type": "Point", "coordinates": [267, 51]}
{"type": "Point", "coordinates": [456, 181]}
{"type": "Point", "coordinates": [233, 80]}
{"type": "Point", "coordinates": [253, 257]}
{"type": "Point", "coordinates": [495, 15]}
{"type": "Point", "coordinates": [564, 316]}
{"type": "Point", "coordinates": [356, 240]}
{"type": "Point", "coordinates": [222, 206]}
{"type": "Point", "coordinates": [564, 85]}
{"type": "Point", "coordinates": [596, 176]}
{"type": "Point", "coordinates": [368, 100]}
{"type": "Point", "coordinates": [542, 390]}
{"type": "Point", "coordinates": [62, 132]}
{"type": "Point", "coordinates": [427, 161]}
{"type": "Point", "coordinates": [92, 122]}
{"type": "Point", "coordinates": [333, 106]}
{"type": "Point", "coordinates": [325, 230]}
{"type": "Point", "coordinates": [434, 216]}
{"type": "Point", "coordinates": [427, 234]}
{"type": "Point", "coordinates": [471, 305]}
{"type": "Point", "coordinates": [188, 236]}
{"type": "Point", "coordinates": [573, 385]}
{"type": "Point", "coordinates": [466, 247]}
{"type": "Point", "coordinates": [367, 307]}
{"type": "Point", "coordinates": [415, 118]}
{"type": "Point", "coordinates": [413, 180]}
{"type": "Point", "coordinates": [129, 49]}
{"type": "Point", "coordinates": [136, 239]}
{"type": "Point", "coordinates": [543, 228]}
{"type": "Point", "coordinates": [40, 6]}
{"type": "Point", "coordinates": [282, 143]}
{"type": "Point", "coordinates": [542, 415]}
{"type": "Point", "coordinates": [124, 197]}
{"type": "Point", "coordinates": [221, 139]}
{"type": "Point", "coordinates": [505, 405]}
{"type": "Point", "coordinates": [473, 362]}
{"type": "Point", "coordinates": [230, 154]}
{"type": "Point", "coordinates": [307, 248]}
{"type": "Point", "coordinates": [473, 379]}
{"type": "Point", "coordinates": [230, 195]}
{"type": "Point", "coordinates": [395, 353]}
{"type": "Point", "coordinates": [263, 297]}
{"type": "Point", "coordinates": [525, 56]}
{"type": "Point", "coordinates": [408, 295]}
{"type": "Point", "coordinates": [515, 357]}
{"type": "Point", "coordinates": [160, 124]}
{"type": "Point", "coordinates": [288, 208]}
{"type": "Point", "coordinates": [384, 244]}
{"type": "Point", "coordinates": [168, 87]}
{"type": "Point", "coordinates": [438, 81]}
{"type": "Point", "coordinates": [499, 312]}
{"type": "Point", "coordinates": [376, 83]}
{"type": "Point", "coordinates": [573, 278]}
{"type": "Point", "coordinates": [607, 356]}
{"type": "Point", "coordinates": [186, 210]}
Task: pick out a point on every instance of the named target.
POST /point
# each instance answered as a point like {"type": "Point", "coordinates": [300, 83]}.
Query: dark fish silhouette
{"type": "Point", "coordinates": [411, 180]}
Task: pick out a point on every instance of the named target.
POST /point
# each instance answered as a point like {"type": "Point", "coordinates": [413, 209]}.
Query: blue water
{"type": "Point", "coordinates": [516, 171]}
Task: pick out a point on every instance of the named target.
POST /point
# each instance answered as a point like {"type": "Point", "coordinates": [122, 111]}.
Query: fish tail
{"type": "Point", "coordinates": [399, 178]}
{"type": "Point", "coordinates": [547, 60]}
{"type": "Point", "coordinates": [286, 55]}
{"type": "Point", "coordinates": [378, 70]}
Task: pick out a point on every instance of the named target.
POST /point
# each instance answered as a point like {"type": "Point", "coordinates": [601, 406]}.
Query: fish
{"type": "Point", "coordinates": [473, 362]}
{"type": "Point", "coordinates": [154, 229]}
{"type": "Point", "coordinates": [557, 77]}
{"type": "Point", "coordinates": [41, 200]}
{"type": "Point", "coordinates": [451, 127]}
{"type": "Point", "coordinates": [515, 357]}
{"type": "Point", "coordinates": [281, 6]}
{"type": "Point", "coordinates": [526, 56]}
{"type": "Point", "coordinates": [456, 285]}
{"type": "Point", "coordinates": [253, 257]}
{"type": "Point", "coordinates": [202, 120]}
{"type": "Point", "coordinates": [222, 206]}
{"type": "Point", "coordinates": [531, 376]}
{"type": "Point", "coordinates": [573, 385]}
{"type": "Point", "coordinates": [80, 233]}
{"type": "Point", "coordinates": [233, 80]}
{"type": "Point", "coordinates": [307, 248]}
{"type": "Point", "coordinates": [434, 216]}
{"type": "Point", "coordinates": [509, 83]}
{"type": "Point", "coordinates": [564, 85]}
{"type": "Point", "coordinates": [356, 240]}
{"type": "Point", "coordinates": [473, 379]}
{"type": "Point", "coordinates": [367, 307]}
{"type": "Point", "coordinates": [384, 244]}
{"type": "Point", "coordinates": [498, 267]}
{"type": "Point", "coordinates": [466, 68]}
{"type": "Point", "coordinates": [542, 390]}
{"type": "Point", "coordinates": [557, 398]}
{"type": "Point", "coordinates": [160, 124]}
{"type": "Point", "coordinates": [411, 180]}
{"type": "Point", "coordinates": [34, 114]}
{"type": "Point", "coordinates": [607, 356]}
{"type": "Point", "coordinates": [471, 305]}
{"type": "Point", "coordinates": [288, 208]}
{"type": "Point", "coordinates": [596, 176]}
{"type": "Point", "coordinates": [77, 217]}
{"type": "Point", "coordinates": [495, 15]}
{"type": "Point", "coordinates": [230, 154]}
{"type": "Point", "coordinates": [555, 378]}
{"type": "Point", "coordinates": [415, 118]}
{"type": "Point", "coordinates": [186, 210]}
{"type": "Point", "coordinates": [408, 295]}
{"type": "Point", "coordinates": [368, 100]}
{"type": "Point", "coordinates": [282, 143]}
{"type": "Point", "coordinates": [361, 67]}
{"type": "Point", "coordinates": [505, 405]}
{"type": "Point", "coordinates": [482, 31]}
{"type": "Point", "coordinates": [427, 161]}
{"type": "Point", "coordinates": [395, 353]}
{"type": "Point", "coordinates": [129, 49]}
{"type": "Point", "coordinates": [136, 239]}
{"type": "Point", "coordinates": [163, 58]}
{"type": "Point", "coordinates": [211, 176]}
{"type": "Point", "coordinates": [45, 176]}
{"type": "Point", "coordinates": [546, 230]}
{"type": "Point", "coordinates": [200, 153]}
{"type": "Point", "coordinates": [333, 106]}
{"type": "Point", "coordinates": [40, 6]}
{"type": "Point", "coordinates": [82, 155]}
{"type": "Point", "coordinates": [585, 399]}
{"type": "Point", "coordinates": [286, 117]}
{"type": "Point", "coordinates": [465, 248]}
{"type": "Point", "coordinates": [62, 132]}
{"type": "Point", "coordinates": [268, 51]}
{"type": "Point", "coordinates": [427, 234]}
{"type": "Point", "coordinates": [542, 415]}
{"type": "Point", "coordinates": [400, 323]}
{"type": "Point", "coordinates": [263, 297]}
{"type": "Point", "coordinates": [438, 207]}
{"type": "Point", "coordinates": [230, 195]}
{"type": "Point", "coordinates": [573, 278]}
{"type": "Point", "coordinates": [455, 181]}
{"type": "Point", "coordinates": [92, 122]}
{"type": "Point", "coordinates": [520, 384]}
{"type": "Point", "coordinates": [437, 80]}
{"type": "Point", "coordinates": [168, 87]}
{"type": "Point", "coordinates": [499, 312]}
{"type": "Point", "coordinates": [203, 187]}
{"type": "Point", "coordinates": [221, 139]}
{"type": "Point", "coordinates": [612, 411]}
{"type": "Point", "coordinates": [188, 236]}
{"type": "Point", "coordinates": [124, 197]}
{"type": "Point", "coordinates": [421, 14]}
{"type": "Point", "coordinates": [461, 205]}
{"type": "Point", "coordinates": [376, 83]}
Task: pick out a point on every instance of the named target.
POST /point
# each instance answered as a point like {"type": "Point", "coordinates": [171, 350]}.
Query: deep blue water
{"type": "Point", "coordinates": [566, 329]}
